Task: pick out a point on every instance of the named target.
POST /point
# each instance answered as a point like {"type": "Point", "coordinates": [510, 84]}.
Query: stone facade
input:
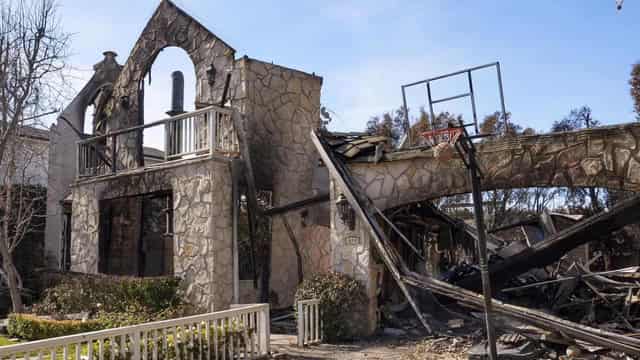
{"type": "Point", "coordinates": [282, 107]}
{"type": "Point", "coordinates": [168, 26]}
{"type": "Point", "coordinates": [603, 157]}
{"type": "Point", "coordinates": [352, 254]}
{"type": "Point", "coordinates": [202, 223]}
{"type": "Point", "coordinates": [316, 250]}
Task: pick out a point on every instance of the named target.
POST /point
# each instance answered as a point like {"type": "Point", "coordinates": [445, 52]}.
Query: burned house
{"type": "Point", "coordinates": [122, 208]}
{"type": "Point", "coordinates": [390, 236]}
{"type": "Point", "coordinates": [235, 201]}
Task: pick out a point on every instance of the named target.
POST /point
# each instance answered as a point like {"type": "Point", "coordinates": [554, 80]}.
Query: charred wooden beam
{"type": "Point", "coordinates": [297, 205]}
{"type": "Point", "coordinates": [239, 123]}
{"type": "Point", "coordinates": [362, 206]}
{"type": "Point", "coordinates": [553, 248]}
{"type": "Point", "coordinates": [607, 339]}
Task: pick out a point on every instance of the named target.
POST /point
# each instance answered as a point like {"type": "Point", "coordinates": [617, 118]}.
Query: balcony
{"type": "Point", "coordinates": [200, 133]}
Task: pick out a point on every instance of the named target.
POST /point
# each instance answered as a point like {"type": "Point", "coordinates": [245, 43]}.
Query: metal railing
{"type": "Point", "coordinates": [201, 132]}
{"type": "Point", "coordinates": [230, 334]}
{"type": "Point", "coordinates": [309, 322]}
{"type": "Point", "coordinates": [470, 94]}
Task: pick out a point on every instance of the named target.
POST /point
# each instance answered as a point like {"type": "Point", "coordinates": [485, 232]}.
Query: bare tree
{"type": "Point", "coordinates": [33, 50]}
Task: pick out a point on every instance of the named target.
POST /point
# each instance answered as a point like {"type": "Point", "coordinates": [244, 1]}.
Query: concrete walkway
{"type": "Point", "coordinates": [284, 347]}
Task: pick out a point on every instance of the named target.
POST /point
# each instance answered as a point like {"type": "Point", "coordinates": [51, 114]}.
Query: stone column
{"type": "Point", "coordinates": [351, 254]}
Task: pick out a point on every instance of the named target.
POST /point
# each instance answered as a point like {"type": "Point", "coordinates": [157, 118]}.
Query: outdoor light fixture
{"type": "Point", "coordinates": [124, 101]}
{"type": "Point", "coordinates": [345, 212]}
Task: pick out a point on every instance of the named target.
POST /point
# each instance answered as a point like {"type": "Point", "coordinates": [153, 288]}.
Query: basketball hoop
{"type": "Point", "coordinates": [443, 141]}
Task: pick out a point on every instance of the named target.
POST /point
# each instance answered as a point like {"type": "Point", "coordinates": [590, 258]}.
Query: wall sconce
{"type": "Point", "coordinates": [345, 212]}
{"type": "Point", "coordinates": [124, 101]}
{"type": "Point", "coordinates": [211, 75]}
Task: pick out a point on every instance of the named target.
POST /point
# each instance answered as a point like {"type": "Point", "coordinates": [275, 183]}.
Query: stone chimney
{"type": "Point", "coordinates": [108, 63]}
{"type": "Point", "coordinates": [177, 94]}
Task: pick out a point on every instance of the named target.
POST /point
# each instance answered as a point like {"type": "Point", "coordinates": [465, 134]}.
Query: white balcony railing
{"type": "Point", "coordinates": [241, 333]}
{"type": "Point", "coordinates": [201, 132]}
{"type": "Point", "coordinates": [309, 322]}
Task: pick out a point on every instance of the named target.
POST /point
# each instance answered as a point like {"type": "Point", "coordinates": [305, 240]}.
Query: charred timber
{"type": "Point", "coordinates": [399, 270]}
{"type": "Point", "coordinates": [321, 198]}
{"type": "Point", "coordinates": [610, 340]}
{"type": "Point", "coordinates": [553, 248]}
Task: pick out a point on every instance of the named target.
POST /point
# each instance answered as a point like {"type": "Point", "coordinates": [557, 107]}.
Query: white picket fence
{"type": "Point", "coordinates": [309, 322]}
{"type": "Point", "coordinates": [241, 333]}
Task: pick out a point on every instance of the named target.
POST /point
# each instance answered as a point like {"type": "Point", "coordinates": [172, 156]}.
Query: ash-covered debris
{"type": "Point", "coordinates": [430, 277]}
{"type": "Point", "coordinates": [589, 283]}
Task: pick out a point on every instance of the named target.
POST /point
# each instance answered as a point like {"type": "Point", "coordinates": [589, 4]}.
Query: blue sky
{"type": "Point", "coordinates": [555, 55]}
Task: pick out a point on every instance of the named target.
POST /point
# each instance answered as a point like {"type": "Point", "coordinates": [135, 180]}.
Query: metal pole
{"type": "Point", "coordinates": [451, 74]}
{"type": "Point", "coordinates": [473, 102]}
{"type": "Point", "coordinates": [407, 125]}
{"type": "Point", "coordinates": [504, 111]}
{"type": "Point", "coordinates": [433, 117]}
{"type": "Point", "coordinates": [482, 253]}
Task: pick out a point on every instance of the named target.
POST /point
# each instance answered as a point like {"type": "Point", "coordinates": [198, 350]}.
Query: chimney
{"type": "Point", "coordinates": [109, 61]}
{"type": "Point", "coordinates": [177, 94]}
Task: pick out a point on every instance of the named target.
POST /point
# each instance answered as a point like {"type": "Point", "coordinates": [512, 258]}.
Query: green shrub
{"type": "Point", "coordinates": [135, 315]}
{"type": "Point", "coordinates": [31, 327]}
{"type": "Point", "coordinates": [109, 300]}
{"type": "Point", "coordinates": [340, 298]}
{"type": "Point", "coordinates": [189, 344]}
{"type": "Point", "coordinates": [110, 294]}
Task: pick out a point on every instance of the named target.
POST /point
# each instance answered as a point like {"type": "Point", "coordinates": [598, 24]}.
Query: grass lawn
{"type": "Point", "coordinates": [6, 341]}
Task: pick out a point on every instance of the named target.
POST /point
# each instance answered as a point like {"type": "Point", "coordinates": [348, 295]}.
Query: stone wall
{"type": "Point", "coordinates": [202, 215]}
{"type": "Point", "coordinates": [168, 26]}
{"type": "Point", "coordinates": [316, 250]}
{"type": "Point", "coordinates": [282, 106]}
{"type": "Point", "coordinates": [603, 157]}
{"type": "Point", "coordinates": [352, 254]}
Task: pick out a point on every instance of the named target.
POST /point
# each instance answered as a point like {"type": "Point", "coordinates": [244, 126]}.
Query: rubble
{"type": "Point", "coordinates": [571, 311]}
{"type": "Point", "coordinates": [453, 348]}
{"type": "Point", "coordinates": [554, 247]}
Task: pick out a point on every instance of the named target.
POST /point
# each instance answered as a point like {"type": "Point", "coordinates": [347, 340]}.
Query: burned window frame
{"type": "Point", "coordinates": [106, 233]}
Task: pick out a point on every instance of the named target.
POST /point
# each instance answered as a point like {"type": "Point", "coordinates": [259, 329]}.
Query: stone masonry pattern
{"type": "Point", "coordinates": [169, 26]}
{"type": "Point", "coordinates": [603, 157]}
{"type": "Point", "coordinates": [202, 224]}
{"type": "Point", "coordinates": [282, 107]}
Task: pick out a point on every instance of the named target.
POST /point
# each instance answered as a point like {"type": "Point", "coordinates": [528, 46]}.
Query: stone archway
{"type": "Point", "coordinates": [168, 26]}
{"type": "Point", "coordinates": [606, 157]}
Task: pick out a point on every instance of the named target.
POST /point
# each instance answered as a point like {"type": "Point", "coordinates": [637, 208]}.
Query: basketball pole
{"type": "Point", "coordinates": [482, 249]}
{"type": "Point", "coordinates": [462, 142]}
{"type": "Point", "coordinates": [467, 151]}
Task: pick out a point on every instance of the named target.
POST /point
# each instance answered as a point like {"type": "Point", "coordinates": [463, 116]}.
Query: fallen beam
{"type": "Point", "coordinates": [363, 207]}
{"type": "Point", "coordinates": [297, 205]}
{"type": "Point", "coordinates": [627, 344]}
{"type": "Point", "coordinates": [550, 250]}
